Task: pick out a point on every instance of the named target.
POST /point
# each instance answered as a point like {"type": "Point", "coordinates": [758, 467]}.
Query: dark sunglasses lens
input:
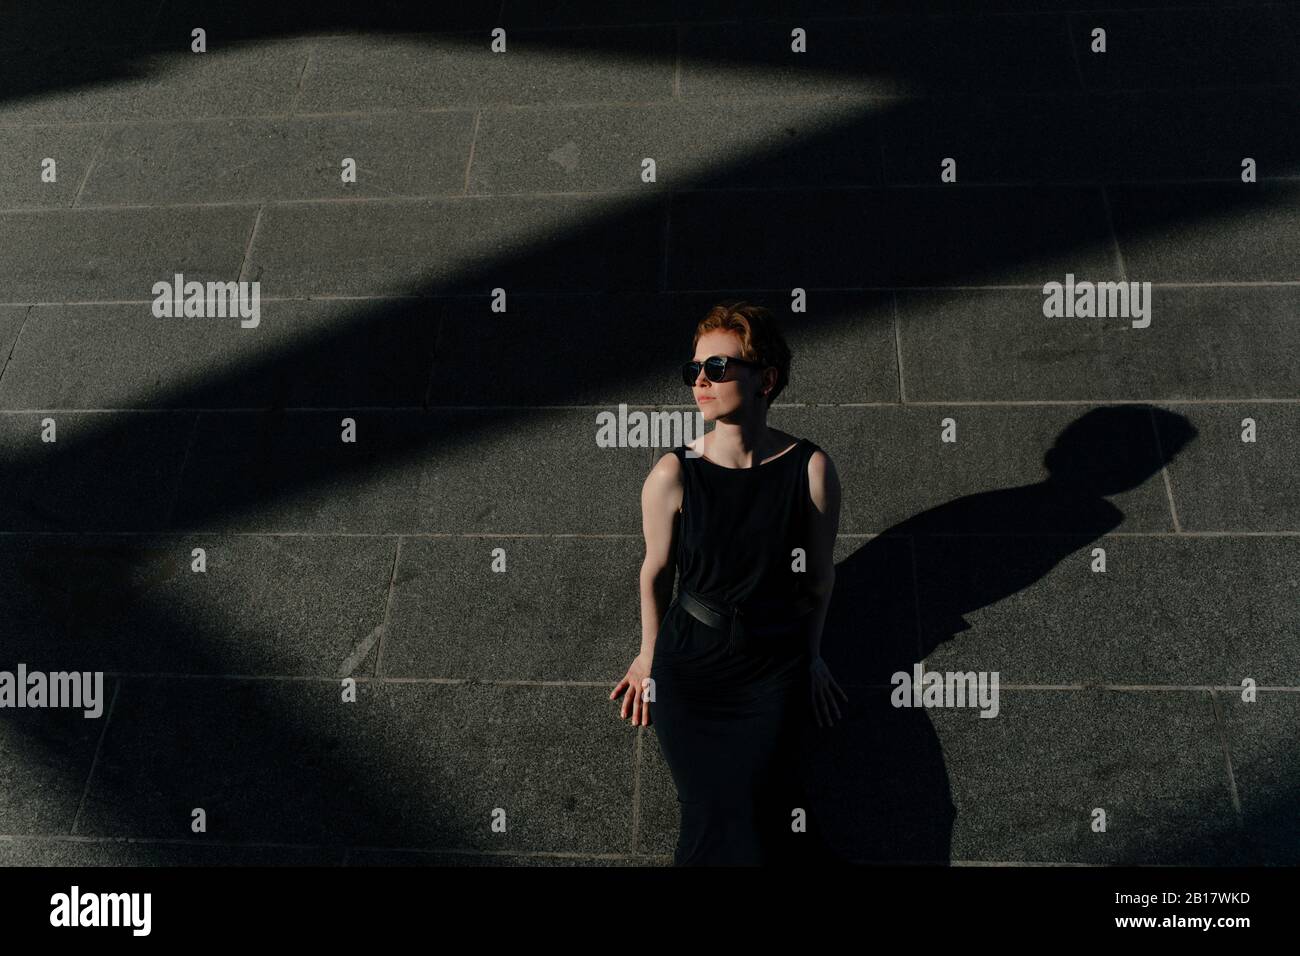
{"type": "Point", "coordinates": [715, 369]}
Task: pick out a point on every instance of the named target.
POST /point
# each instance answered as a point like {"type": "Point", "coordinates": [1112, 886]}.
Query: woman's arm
{"type": "Point", "coordinates": [661, 497]}
{"type": "Point", "coordinates": [824, 524]}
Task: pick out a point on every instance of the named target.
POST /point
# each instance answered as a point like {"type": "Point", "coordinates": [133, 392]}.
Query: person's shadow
{"type": "Point", "coordinates": [878, 778]}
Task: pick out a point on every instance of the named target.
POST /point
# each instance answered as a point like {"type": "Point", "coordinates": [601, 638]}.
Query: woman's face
{"type": "Point", "coordinates": [720, 399]}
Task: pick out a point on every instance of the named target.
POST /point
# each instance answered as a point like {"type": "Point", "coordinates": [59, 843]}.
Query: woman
{"type": "Point", "coordinates": [735, 664]}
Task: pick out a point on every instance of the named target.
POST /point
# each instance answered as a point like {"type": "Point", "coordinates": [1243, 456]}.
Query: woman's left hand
{"type": "Point", "coordinates": [824, 689]}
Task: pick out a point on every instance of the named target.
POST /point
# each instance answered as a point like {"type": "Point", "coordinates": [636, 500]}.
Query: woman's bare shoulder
{"type": "Point", "coordinates": [823, 480]}
{"type": "Point", "coordinates": [819, 460]}
{"type": "Point", "coordinates": [667, 471]}
{"type": "Point", "coordinates": [665, 481]}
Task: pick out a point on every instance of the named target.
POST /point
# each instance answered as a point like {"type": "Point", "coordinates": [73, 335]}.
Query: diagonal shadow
{"type": "Point", "coordinates": [280, 466]}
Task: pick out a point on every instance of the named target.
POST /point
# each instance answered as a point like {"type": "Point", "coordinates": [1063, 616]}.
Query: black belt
{"type": "Point", "coordinates": [745, 627]}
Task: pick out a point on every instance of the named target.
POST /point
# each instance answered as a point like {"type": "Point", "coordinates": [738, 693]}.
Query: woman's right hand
{"type": "Point", "coordinates": [634, 683]}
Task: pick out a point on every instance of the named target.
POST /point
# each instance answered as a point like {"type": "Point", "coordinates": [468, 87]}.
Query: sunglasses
{"type": "Point", "coordinates": [715, 368]}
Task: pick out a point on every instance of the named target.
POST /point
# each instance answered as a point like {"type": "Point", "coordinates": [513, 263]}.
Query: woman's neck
{"type": "Point", "coordinates": [741, 440]}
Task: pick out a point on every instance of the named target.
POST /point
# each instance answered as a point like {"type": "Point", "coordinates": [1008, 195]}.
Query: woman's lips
{"type": "Point", "coordinates": [704, 399]}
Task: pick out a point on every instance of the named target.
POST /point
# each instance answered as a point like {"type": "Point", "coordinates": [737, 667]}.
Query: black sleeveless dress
{"type": "Point", "coordinates": [729, 719]}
